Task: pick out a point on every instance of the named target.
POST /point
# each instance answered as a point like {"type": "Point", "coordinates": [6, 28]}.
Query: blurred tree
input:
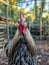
{"type": "Point", "coordinates": [40, 17]}
{"type": "Point", "coordinates": [29, 18]}
{"type": "Point", "coordinates": [35, 10]}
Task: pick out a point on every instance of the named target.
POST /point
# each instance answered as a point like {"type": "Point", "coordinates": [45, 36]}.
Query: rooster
{"type": "Point", "coordinates": [22, 30]}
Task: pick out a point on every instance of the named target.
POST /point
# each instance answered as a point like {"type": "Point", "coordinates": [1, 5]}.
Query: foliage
{"type": "Point", "coordinates": [32, 16]}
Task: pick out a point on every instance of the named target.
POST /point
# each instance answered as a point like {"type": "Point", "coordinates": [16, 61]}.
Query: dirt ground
{"type": "Point", "coordinates": [42, 53]}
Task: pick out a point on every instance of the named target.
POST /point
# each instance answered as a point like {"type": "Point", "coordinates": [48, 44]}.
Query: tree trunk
{"type": "Point", "coordinates": [48, 25]}
{"type": "Point", "coordinates": [7, 22]}
{"type": "Point", "coordinates": [41, 10]}
{"type": "Point", "coordinates": [35, 10]}
{"type": "Point", "coordinates": [48, 19]}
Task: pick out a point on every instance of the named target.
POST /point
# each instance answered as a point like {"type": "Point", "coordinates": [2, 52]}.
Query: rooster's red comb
{"type": "Point", "coordinates": [21, 15]}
